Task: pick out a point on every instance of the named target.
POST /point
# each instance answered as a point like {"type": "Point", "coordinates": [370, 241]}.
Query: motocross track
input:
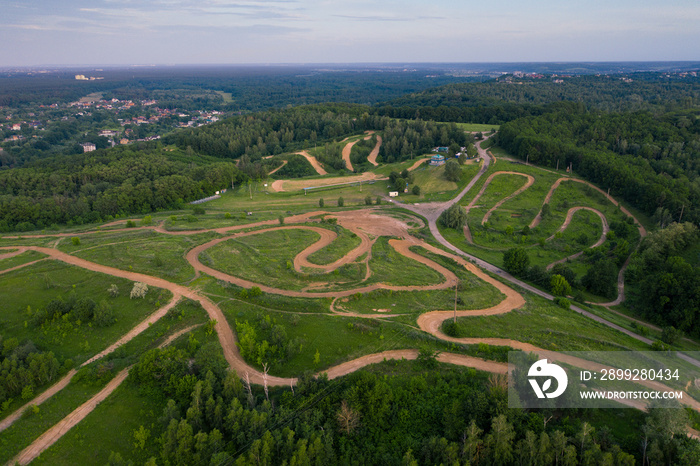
{"type": "Point", "coordinates": [368, 225]}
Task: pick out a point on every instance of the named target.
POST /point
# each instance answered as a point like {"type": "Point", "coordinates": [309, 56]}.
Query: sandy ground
{"type": "Point", "coordinates": [297, 185]}
{"type": "Point", "coordinates": [367, 224]}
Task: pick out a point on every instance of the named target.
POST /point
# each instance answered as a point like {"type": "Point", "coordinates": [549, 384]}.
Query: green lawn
{"type": "Point", "coordinates": [25, 257]}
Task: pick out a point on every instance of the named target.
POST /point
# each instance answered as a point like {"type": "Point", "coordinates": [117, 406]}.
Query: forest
{"type": "Point", "coordinates": [210, 416]}
{"type": "Point", "coordinates": [101, 185]}
{"type": "Point", "coordinates": [504, 99]}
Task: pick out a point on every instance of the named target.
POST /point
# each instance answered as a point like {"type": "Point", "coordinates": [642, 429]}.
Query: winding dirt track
{"type": "Point", "coordinates": [429, 322]}
{"type": "Point", "coordinates": [569, 216]}
{"type": "Point", "coordinates": [347, 150]}
{"type": "Point", "coordinates": [372, 158]}
{"type": "Point", "coordinates": [314, 163]}
{"type": "Point", "coordinates": [528, 183]}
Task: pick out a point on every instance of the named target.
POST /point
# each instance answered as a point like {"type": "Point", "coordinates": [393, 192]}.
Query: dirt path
{"type": "Point", "coordinates": [314, 163]}
{"type": "Point", "coordinates": [45, 395]}
{"type": "Point", "coordinates": [347, 150]}
{"type": "Point", "coordinates": [372, 158]}
{"type": "Point", "coordinates": [417, 164]}
{"type": "Point", "coordinates": [52, 435]}
{"type": "Point", "coordinates": [528, 183]}
{"type": "Point", "coordinates": [284, 162]}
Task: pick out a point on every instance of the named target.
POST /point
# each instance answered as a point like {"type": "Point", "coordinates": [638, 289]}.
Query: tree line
{"type": "Point", "coordinates": [100, 185]}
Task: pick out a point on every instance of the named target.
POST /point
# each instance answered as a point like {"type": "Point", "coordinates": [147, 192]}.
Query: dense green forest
{"type": "Point", "coordinates": [505, 99]}
{"type": "Point", "coordinates": [212, 417]}
{"type": "Point", "coordinates": [98, 185]}
{"type": "Point", "coordinates": [664, 277]}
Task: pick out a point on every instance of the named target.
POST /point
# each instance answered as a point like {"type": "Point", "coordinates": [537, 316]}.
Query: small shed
{"type": "Point", "coordinates": [393, 193]}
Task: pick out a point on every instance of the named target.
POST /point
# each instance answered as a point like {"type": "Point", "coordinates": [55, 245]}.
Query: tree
{"type": "Point", "coordinates": [559, 286]}
{"type": "Point", "coordinates": [341, 201]}
{"type": "Point", "coordinates": [516, 261]}
{"type": "Point", "coordinates": [139, 290]}
{"type": "Point", "coordinates": [348, 418]}
{"type": "Point", "coordinates": [500, 440]}
{"type": "Point", "coordinates": [321, 203]}
{"type": "Point", "coordinates": [454, 217]}
{"type": "Point", "coordinates": [140, 437]}
{"type": "Point", "coordinates": [453, 172]}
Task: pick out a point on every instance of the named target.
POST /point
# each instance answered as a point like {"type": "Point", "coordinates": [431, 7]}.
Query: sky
{"type": "Point", "coordinates": [125, 32]}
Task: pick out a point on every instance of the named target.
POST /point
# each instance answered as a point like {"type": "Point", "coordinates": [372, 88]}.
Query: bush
{"type": "Point", "coordinates": [379, 200]}
{"type": "Point", "coordinates": [130, 224]}
{"type": "Point", "coordinates": [113, 290]}
{"type": "Point", "coordinates": [416, 190]}
{"type": "Point", "coordinates": [139, 290]}
{"type": "Point", "coordinates": [368, 200]}
{"type": "Point", "coordinates": [198, 210]}
{"type": "Point", "coordinates": [341, 202]}
{"type": "Point", "coordinates": [321, 203]}
{"type": "Point", "coordinates": [75, 240]}
{"type": "Point", "coordinates": [563, 303]}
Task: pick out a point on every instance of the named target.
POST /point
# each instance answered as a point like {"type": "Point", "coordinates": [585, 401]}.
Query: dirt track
{"type": "Point", "coordinates": [314, 163]}
{"type": "Point", "coordinates": [284, 162]}
{"type": "Point", "coordinates": [367, 225]}
{"type": "Point", "coordinates": [528, 183]}
{"type": "Point", "coordinates": [372, 158]}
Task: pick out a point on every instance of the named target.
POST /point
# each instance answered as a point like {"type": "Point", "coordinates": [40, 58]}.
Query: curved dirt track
{"type": "Point", "coordinates": [567, 221]}
{"type": "Point", "coordinates": [528, 183]}
{"type": "Point", "coordinates": [314, 163]}
{"type": "Point", "coordinates": [284, 162]}
{"type": "Point", "coordinates": [372, 157]}
{"type": "Point", "coordinates": [347, 150]}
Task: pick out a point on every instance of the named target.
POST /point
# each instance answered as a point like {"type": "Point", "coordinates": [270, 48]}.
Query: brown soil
{"type": "Point", "coordinates": [372, 158]}
{"type": "Point", "coordinates": [284, 162]}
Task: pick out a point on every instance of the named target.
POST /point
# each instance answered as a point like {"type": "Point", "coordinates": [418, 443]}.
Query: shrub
{"type": "Point", "coordinates": [321, 203]}
{"type": "Point", "coordinates": [416, 190]}
{"type": "Point", "coordinates": [199, 210]}
{"type": "Point", "coordinates": [139, 290]}
{"type": "Point", "coordinates": [368, 200]}
{"type": "Point", "coordinates": [113, 290]}
{"type": "Point", "coordinates": [130, 224]}
{"type": "Point", "coordinates": [341, 202]}
{"type": "Point", "coordinates": [563, 303]}
{"type": "Point", "coordinates": [75, 240]}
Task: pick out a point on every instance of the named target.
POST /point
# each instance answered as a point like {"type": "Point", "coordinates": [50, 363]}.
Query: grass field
{"type": "Point", "coordinates": [27, 290]}
{"type": "Point", "coordinates": [25, 257]}
{"type": "Point", "coordinates": [548, 326]}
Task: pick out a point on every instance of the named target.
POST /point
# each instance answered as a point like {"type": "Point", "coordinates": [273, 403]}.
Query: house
{"type": "Point", "coordinates": [88, 147]}
{"type": "Point", "coordinates": [437, 160]}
